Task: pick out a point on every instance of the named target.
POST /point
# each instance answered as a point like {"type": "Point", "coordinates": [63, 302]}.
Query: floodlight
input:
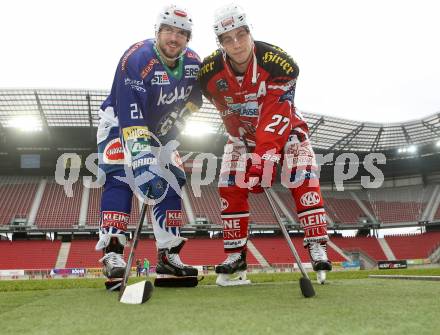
{"type": "Point", "coordinates": [25, 123]}
{"type": "Point", "coordinates": [198, 128]}
{"type": "Point", "coordinates": [412, 149]}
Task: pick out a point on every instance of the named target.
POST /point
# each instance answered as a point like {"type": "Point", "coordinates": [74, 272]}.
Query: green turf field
{"type": "Point", "coordinates": [350, 303]}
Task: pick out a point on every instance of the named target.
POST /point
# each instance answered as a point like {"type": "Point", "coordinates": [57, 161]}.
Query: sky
{"type": "Point", "coordinates": [375, 60]}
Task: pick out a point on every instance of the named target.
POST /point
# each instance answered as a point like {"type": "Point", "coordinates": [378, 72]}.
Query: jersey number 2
{"type": "Point", "coordinates": [278, 119]}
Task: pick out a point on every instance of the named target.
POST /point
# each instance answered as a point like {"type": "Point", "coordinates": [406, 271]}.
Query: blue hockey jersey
{"type": "Point", "coordinates": [145, 92]}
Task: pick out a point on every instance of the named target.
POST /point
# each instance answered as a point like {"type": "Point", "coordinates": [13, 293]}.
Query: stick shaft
{"type": "Point", "coordinates": [285, 233]}
{"type": "Point", "coordinates": [280, 223]}
{"type": "Point", "coordinates": [136, 236]}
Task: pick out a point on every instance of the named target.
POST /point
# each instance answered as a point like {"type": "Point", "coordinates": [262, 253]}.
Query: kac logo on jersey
{"type": "Point", "coordinates": [160, 78]}
{"type": "Point", "coordinates": [310, 199]}
{"type": "Point", "coordinates": [191, 71]}
{"type": "Point", "coordinates": [224, 204]}
{"type": "Point", "coordinates": [171, 97]}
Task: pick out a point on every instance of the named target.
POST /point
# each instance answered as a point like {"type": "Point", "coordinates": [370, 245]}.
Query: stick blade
{"type": "Point", "coordinates": [307, 289]}
{"type": "Point", "coordinates": [136, 294]}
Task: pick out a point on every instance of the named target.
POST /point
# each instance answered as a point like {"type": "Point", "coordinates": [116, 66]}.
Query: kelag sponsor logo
{"type": "Point", "coordinates": [173, 96]}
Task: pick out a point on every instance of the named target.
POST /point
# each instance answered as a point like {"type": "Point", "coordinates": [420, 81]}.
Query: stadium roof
{"type": "Point", "coordinates": [79, 108]}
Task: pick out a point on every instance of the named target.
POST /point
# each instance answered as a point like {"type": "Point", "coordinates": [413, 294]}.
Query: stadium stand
{"type": "Point", "coordinates": [414, 246]}
{"type": "Point", "coordinates": [260, 211]}
{"type": "Point", "coordinates": [28, 254]}
{"type": "Point", "coordinates": [286, 198]}
{"type": "Point", "coordinates": [82, 254]}
{"type": "Point", "coordinates": [94, 206]}
{"type": "Point", "coordinates": [401, 204]}
{"type": "Point", "coordinates": [208, 205]}
{"type": "Point", "coordinates": [57, 210]}
{"type": "Point", "coordinates": [16, 194]}
{"type": "Point", "coordinates": [368, 245]}
{"type": "Point", "coordinates": [342, 208]}
{"type": "Point", "coordinates": [69, 119]}
{"type": "Point", "coordinates": [276, 251]}
{"type": "Point", "coordinates": [198, 251]}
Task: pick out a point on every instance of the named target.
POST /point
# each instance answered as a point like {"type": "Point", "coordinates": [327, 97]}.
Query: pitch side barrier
{"type": "Point", "coordinates": [30, 274]}
{"type": "Point", "coordinates": [203, 170]}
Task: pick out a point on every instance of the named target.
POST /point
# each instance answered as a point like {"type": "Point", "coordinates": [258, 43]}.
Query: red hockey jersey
{"type": "Point", "coordinates": [262, 97]}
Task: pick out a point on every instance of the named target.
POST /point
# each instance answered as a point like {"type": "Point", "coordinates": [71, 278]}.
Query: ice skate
{"type": "Point", "coordinates": [172, 272]}
{"type": "Point", "coordinates": [232, 271]}
{"type": "Point", "coordinates": [113, 259]}
{"type": "Point", "coordinates": [320, 263]}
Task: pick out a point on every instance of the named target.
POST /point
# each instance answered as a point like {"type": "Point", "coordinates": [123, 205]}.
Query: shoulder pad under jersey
{"type": "Point", "coordinates": [275, 61]}
{"type": "Point", "coordinates": [210, 66]}
{"type": "Point", "coordinates": [139, 59]}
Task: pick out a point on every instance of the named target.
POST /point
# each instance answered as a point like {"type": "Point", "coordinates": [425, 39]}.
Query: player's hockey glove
{"type": "Point", "coordinates": [253, 176]}
{"type": "Point", "coordinates": [262, 174]}
{"type": "Point", "coordinates": [177, 119]}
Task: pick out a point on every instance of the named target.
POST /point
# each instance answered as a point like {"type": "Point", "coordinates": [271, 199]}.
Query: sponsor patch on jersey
{"type": "Point", "coordinates": [137, 85]}
{"type": "Point", "coordinates": [147, 69]}
{"type": "Point", "coordinates": [224, 204]}
{"type": "Point", "coordinates": [129, 53]}
{"type": "Point", "coordinates": [221, 85]}
{"type": "Point", "coordinates": [208, 67]}
{"type": "Point", "coordinates": [113, 152]}
{"type": "Point", "coordinates": [229, 100]}
{"type": "Point", "coordinates": [140, 146]}
{"type": "Point", "coordinates": [173, 96]}
{"type": "Point", "coordinates": [191, 71]}
{"type": "Point", "coordinates": [135, 132]}
{"type": "Point", "coordinates": [160, 78]}
{"type": "Point", "coordinates": [310, 199]}
{"type": "Point", "coordinates": [174, 218]}
{"type": "Point", "coordinates": [235, 108]}
{"type": "Point", "coordinates": [250, 97]}
{"type": "Point", "coordinates": [250, 109]}
{"type": "Point", "coordinates": [192, 55]}
{"type": "Point", "coordinates": [283, 61]}
{"type": "Point", "coordinates": [114, 219]}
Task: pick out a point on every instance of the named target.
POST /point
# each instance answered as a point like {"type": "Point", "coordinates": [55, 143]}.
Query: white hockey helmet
{"type": "Point", "coordinates": [229, 17]}
{"type": "Point", "coordinates": [176, 17]}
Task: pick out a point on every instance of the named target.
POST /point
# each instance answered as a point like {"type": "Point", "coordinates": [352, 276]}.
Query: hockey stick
{"type": "Point", "coordinates": [305, 283]}
{"type": "Point", "coordinates": [140, 292]}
